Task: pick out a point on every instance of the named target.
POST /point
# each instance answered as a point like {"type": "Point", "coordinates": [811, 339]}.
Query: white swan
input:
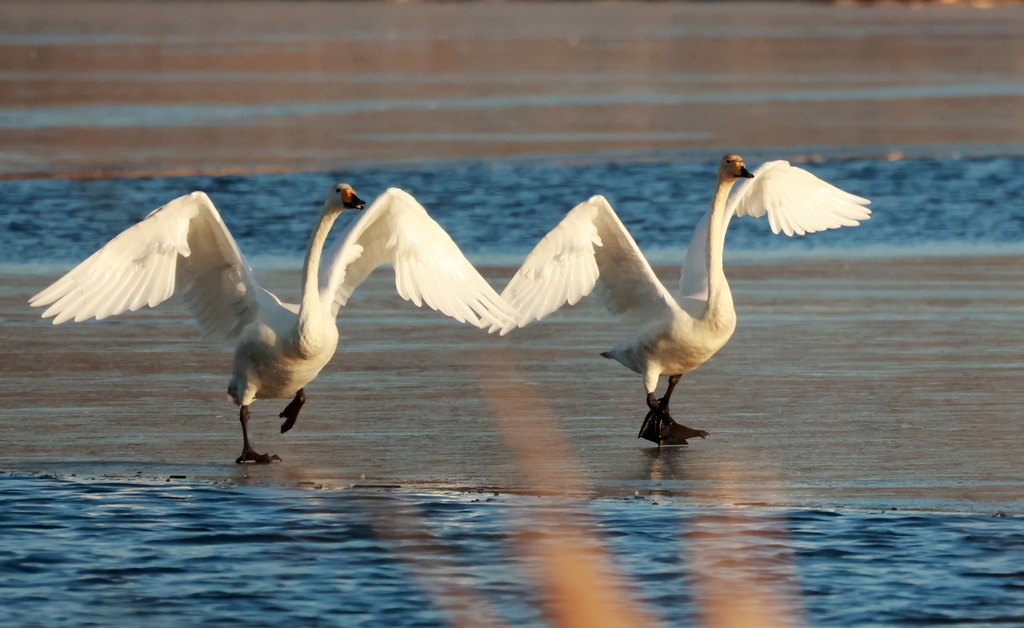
{"type": "Point", "coordinates": [281, 347]}
{"type": "Point", "coordinates": [591, 249]}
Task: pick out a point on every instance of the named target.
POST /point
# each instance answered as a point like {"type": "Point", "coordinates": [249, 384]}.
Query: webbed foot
{"type": "Point", "coordinates": [291, 411]}
{"type": "Point", "coordinates": [651, 428]}
{"type": "Point", "coordinates": [659, 426]}
{"type": "Point", "coordinates": [289, 419]}
{"type": "Point", "coordinates": [675, 434]}
{"type": "Point", "coordinates": [248, 455]}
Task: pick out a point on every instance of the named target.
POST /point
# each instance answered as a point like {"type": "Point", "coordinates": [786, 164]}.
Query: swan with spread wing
{"type": "Point", "coordinates": [591, 250]}
{"type": "Point", "coordinates": [184, 246]}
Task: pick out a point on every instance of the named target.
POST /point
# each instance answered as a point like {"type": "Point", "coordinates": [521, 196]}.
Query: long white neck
{"type": "Point", "coordinates": [719, 296]}
{"type": "Point", "coordinates": [310, 328]}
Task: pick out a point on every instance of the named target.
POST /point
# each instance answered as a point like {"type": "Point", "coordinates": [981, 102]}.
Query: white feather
{"type": "Point", "coordinates": [429, 267]}
{"type": "Point", "coordinates": [144, 264]}
{"type": "Point", "coordinates": [796, 201]}
{"type": "Point", "coordinates": [589, 248]}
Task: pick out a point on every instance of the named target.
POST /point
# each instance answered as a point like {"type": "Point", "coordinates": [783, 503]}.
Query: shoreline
{"type": "Point", "coordinates": [359, 488]}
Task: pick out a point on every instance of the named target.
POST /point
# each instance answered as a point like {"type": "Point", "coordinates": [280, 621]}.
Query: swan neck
{"type": "Point", "coordinates": [719, 296]}
{"type": "Point", "coordinates": [310, 329]}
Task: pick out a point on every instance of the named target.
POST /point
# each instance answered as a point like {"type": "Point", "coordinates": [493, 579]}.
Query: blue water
{"type": "Point", "coordinates": [497, 212]}
{"type": "Point", "coordinates": [102, 552]}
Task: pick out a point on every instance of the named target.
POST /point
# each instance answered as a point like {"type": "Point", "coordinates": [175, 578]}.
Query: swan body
{"type": "Point", "coordinates": [280, 347]}
{"type": "Point", "coordinates": [591, 250]}
{"type": "Point", "coordinates": [270, 365]}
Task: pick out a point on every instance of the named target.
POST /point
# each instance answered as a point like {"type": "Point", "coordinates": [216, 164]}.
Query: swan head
{"type": "Point", "coordinates": [732, 167]}
{"type": "Point", "coordinates": [343, 197]}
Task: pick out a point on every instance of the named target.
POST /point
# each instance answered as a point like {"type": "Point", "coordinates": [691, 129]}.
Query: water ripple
{"type": "Point", "coordinates": [81, 552]}
{"type": "Point", "coordinates": [498, 212]}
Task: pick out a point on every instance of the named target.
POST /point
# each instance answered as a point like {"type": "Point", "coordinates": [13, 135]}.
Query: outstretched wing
{"type": "Point", "coordinates": [589, 249]}
{"type": "Point", "coordinates": [429, 267]}
{"type": "Point", "coordinates": [183, 244]}
{"type": "Point", "coordinates": [796, 201]}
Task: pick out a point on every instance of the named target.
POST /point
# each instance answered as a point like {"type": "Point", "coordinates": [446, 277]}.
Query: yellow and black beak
{"type": "Point", "coordinates": [354, 202]}
{"type": "Point", "coordinates": [745, 173]}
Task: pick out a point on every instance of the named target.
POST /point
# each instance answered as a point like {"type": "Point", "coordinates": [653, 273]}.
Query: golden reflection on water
{"type": "Point", "coordinates": [578, 581]}
{"type": "Point", "coordinates": [735, 586]}
{"type": "Point", "coordinates": [580, 587]}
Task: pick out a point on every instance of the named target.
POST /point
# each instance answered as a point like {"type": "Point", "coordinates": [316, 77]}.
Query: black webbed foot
{"type": "Point", "coordinates": [659, 426]}
{"type": "Point", "coordinates": [289, 419]}
{"type": "Point", "coordinates": [248, 455]}
{"type": "Point", "coordinates": [291, 411]}
{"type": "Point", "coordinates": [651, 428]}
{"type": "Point", "coordinates": [653, 425]}
{"type": "Point", "coordinates": [675, 434]}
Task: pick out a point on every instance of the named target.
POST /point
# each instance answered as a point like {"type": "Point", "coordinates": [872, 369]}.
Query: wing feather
{"type": "Point", "coordinates": [796, 201]}
{"type": "Point", "coordinates": [119, 300]}
{"type": "Point", "coordinates": [65, 309]}
{"type": "Point", "coordinates": [141, 295]}
{"type": "Point", "coordinates": [116, 297]}
{"type": "Point", "coordinates": [429, 267]}
{"type": "Point", "coordinates": [183, 245]}
{"type": "Point", "coordinates": [590, 249]}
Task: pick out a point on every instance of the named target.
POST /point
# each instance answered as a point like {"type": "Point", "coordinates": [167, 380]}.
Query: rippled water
{"type": "Point", "coordinates": [87, 551]}
{"type": "Point", "coordinates": [498, 212]}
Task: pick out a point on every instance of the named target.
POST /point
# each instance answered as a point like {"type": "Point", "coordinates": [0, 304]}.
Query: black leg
{"type": "Point", "coordinates": [248, 454]}
{"type": "Point", "coordinates": [672, 381]}
{"type": "Point", "coordinates": [651, 427]}
{"type": "Point", "coordinates": [291, 411]}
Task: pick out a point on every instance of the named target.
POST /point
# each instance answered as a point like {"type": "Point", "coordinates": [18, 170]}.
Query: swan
{"type": "Point", "coordinates": [280, 347]}
{"type": "Point", "coordinates": [591, 249]}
